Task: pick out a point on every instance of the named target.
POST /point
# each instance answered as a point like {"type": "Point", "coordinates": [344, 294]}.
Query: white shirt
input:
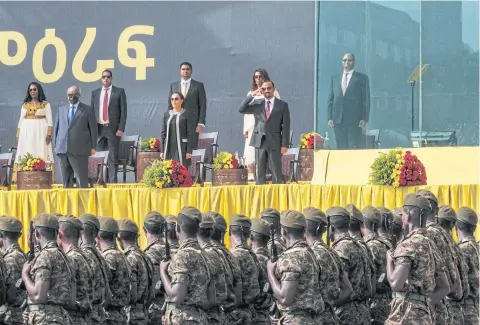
{"type": "Point", "coordinates": [100, 110]}
{"type": "Point", "coordinates": [349, 76]}
{"type": "Point", "coordinates": [182, 85]}
{"type": "Point", "coordinates": [272, 101]}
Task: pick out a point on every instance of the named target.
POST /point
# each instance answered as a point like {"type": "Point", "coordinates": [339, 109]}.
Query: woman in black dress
{"type": "Point", "coordinates": [177, 136]}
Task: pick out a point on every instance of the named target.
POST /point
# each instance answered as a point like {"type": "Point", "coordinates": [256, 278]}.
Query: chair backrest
{"type": "Point", "coordinates": [290, 141]}
{"type": "Point", "coordinates": [291, 154]}
{"type": "Point", "coordinates": [100, 157]}
{"type": "Point", "coordinates": [372, 139]}
{"type": "Point", "coordinates": [205, 141]}
{"type": "Point", "coordinates": [197, 155]}
{"type": "Point", "coordinates": [124, 150]}
{"type": "Point", "coordinates": [6, 159]}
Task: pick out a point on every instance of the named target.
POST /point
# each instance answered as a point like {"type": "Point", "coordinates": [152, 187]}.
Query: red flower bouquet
{"type": "Point", "coordinates": [167, 173]}
{"type": "Point", "coordinates": [312, 140]}
{"type": "Point", "coordinates": [412, 172]}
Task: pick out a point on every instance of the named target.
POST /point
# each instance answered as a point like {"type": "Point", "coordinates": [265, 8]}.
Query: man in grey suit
{"type": "Point", "coordinates": [271, 132]}
{"type": "Point", "coordinates": [195, 98]}
{"type": "Point", "coordinates": [348, 104]}
{"type": "Point", "coordinates": [75, 134]}
{"type": "Point", "coordinates": [110, 106]}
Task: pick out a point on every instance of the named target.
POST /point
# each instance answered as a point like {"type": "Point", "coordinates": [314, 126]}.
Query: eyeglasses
{"type": "Point", "coordinates": [267, 88]}
{"type": "Point", "coordinates": [347, 60]}
{"type": "Point", "coordinates": [106, 77]}
{"type": "Point", "coordinates": [175, 99]}
{"type": "Point", "coordinates": [72, 95]}
{"type": "Point", "coordinates": [32, 89]}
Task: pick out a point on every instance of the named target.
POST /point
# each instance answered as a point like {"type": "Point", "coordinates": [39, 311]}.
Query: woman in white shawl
{"type": "Point", "coordinates": [259, 76]}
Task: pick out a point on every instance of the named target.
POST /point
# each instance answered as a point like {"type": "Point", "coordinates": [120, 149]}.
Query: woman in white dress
{"type": "Point", "coordinates": [34, 133]}
{"type": "Point", "coordinates": [259, 77]}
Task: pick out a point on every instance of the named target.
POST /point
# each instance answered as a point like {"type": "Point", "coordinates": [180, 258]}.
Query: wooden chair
{"type": "Point", "coordinates": [6, 171]}
{"type": "Point", "coordinates": [98, 168]}
{"type": "Point", "coordinates": [196, 168]}
{"type": "Point", "coordinates": [290, 165]}
{"type": "Point", "coordinates": [209, 142]}
{"type": "Point", "coordinates": [127, 155]}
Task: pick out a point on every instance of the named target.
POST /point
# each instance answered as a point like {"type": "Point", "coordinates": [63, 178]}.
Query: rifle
{"type": "Point", "coordinates": [166, 259]}
{"type": "Point", "coordinates": [273, 257]}
{"type": "Point", "coordinates": [29, 257]}
{"type": "Point", "coordinates": [393, 238]}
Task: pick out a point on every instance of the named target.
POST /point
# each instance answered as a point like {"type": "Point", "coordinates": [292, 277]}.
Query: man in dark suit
{"type": "Point", "coordinates": [195, 98]}
{"type": "Point", "coordinates": [110, 106]}
{"type": "Point", "coordinates": [75, 134]}
{"type": "Point", "coordinates": [348, 104]}
{"type": "Point", "coordinates": [271, 132]}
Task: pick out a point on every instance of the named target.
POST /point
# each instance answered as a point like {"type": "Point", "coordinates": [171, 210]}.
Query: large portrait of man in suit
{"type": "Point", "coordinates": [348, 104]}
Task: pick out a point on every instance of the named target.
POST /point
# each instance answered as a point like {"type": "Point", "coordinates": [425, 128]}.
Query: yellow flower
{"type": "Point", "coordinates": [397, 179]}
{"type": "Point", "coordinates": [398, 156]}
{"type": "Point", "coordinates": [396, 184]}
{"type": "Point", "coordinates": [25, 168]}
{"type": "Point", "coordinates": [158, 184]}
{"type": "Point", "coordinates": [231, 166]}
{"type": "Point", "coordinates": [397, 166]}
{"type": "Point", "coordinates": [393, 175]}
{"type": "Point", "coordinates": [225, 166]}
{"type": "Point", "coordinates": [399, 172]}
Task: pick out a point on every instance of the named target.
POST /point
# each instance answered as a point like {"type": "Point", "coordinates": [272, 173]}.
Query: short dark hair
{"type": "Point", "coordinates": [465, 227]}
{"type": "Point", "coordinates": [315, 228]}
{"type": "Point", "coordinates": [107, 236]}
{"type": "Point", "coordinates": [261, 239]}
{"type": "Point", "coordinates": [273, 84]}
{"type": "Point", "coordinates": [171, 234]}
{"type": "Point", "coordinates": [186, 63]}
{"type": "Point", "coordinates": [296, 233]}
{"type": "Point", "coordinates": [47, 233]}
{"type": "Point", "coordinates": [127, 236]}
{"type": "Point", "coordinates": [355, 225]}
{"type": "Point", "coordinates": [69, 230]}
{"type": "Point", "coordinates": [109, 71]}
{"type": "Point", "coordinates": [237, 231]}
{"type": "Point", "coordinates": [13, 236]}
{"type": "Point", "coordinates": [397, 229]}
{"type": "Point", "coordinates": [205, 233]}
{"type": "Point", "coordinates": [218, 235]}
{"type": "Point", "coordinates": [90, 230]}
{"type": "Point", "coordinates": [154, 229]}
{"type": "Point", "coordinates": [188, 225]}
{"type": "Point", "coordinates": [370, 225]}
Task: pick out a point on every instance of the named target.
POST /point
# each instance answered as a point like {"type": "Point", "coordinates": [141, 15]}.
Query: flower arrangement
{"type": "Point", "coordinates": [225, 160]}
{"type": "Point", "coordinates": [165, 174]}
{"type": "Point", "coordinates": [311, 140]}
{"type": "Point", "coordinates": [398, 168]}
{"type": "Point", "coordinates": [28, 162]}
{"type": "Point", "coordinates": [152, 144]}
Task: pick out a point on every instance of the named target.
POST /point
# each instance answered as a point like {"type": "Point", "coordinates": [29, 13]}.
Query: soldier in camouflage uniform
{"type": "Point", "coordinates": [295, 276]}
{"type": "Point", "coordinates": [355, 264]}
{"type": "Point", "coordinates": [239, 233]}
{"type": "Point", "coordinates": [217, 270]}
{"type": "Point", "coordinates": [141, 273]}
{"type": "Point", "coordinates": [379, 304]}
{"type": "Point", "coordinates": [259, 237]}
{"type": "Point", "coordinates": [118, 272]}
{"type": "Point", "coordinates": [187, 277]}
{"type": "Point", "coordinates": [397, 223]}
{"type": "Point", "coordinates": [465, 227]}
{"type": "Point", "coordinates": [68, 236]}
{"type": "Point", "coordinates": [334, 284]}
{"type": "Point", "coordinates": [172, 235]}
{"type": "Point", "coordinates": [10, 232]}
{"type": "Point", "coordinates": [49, 279]}
{"type": "Point", "coordinates": [233, 278]}
{"type": "Point", "coordinates": [443, 244]}
{"type": "Point", "coordinates": [447, 218]}
{"type": "Point", "coordinates": [273, 217]}
{"type": "Point", "coordinates": [153, 226]}
{"type": "Point", "coordinates": [101, 291]}
{"type": "Point", "coordinates": [412, 269]}
{"type": "Point", "coordinates": [383, 231]}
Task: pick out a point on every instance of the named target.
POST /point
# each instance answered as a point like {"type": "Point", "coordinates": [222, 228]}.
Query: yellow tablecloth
{"type": "Point", "coordinates": [135, 201]}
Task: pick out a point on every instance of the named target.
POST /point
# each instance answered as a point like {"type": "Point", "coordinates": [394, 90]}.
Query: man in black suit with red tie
{"type": "Point", "coordinates": [348, 104]}
{"type": "Point", "coordinates": [110, 105]}
{"type": "Point", "coordinates": [271, 132]}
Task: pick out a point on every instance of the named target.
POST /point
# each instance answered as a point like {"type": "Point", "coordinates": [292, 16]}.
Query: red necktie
{"type": "Point", "coordinates": [105, 106]}
{"type": "Point", "coordinates": [267, 110]}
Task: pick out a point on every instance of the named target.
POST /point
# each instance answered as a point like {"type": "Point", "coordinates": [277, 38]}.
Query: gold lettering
{"type": "Point", "coordinates": [140, 62]}
{"type": "Point", "coordinates": [82, 52]}
{"type": "Point", "coordinates": [21, 42]}
{"type": "Point", "coordinates": [37, 62]}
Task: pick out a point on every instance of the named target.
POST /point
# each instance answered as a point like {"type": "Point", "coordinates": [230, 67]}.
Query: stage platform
{"type": "Point", "coordinates": [134, 201]}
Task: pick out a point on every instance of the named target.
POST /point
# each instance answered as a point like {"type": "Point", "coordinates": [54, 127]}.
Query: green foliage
{"type": "Point", "coordinates": [383, 167]}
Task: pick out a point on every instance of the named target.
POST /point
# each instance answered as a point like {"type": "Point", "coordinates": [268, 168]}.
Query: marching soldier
{"type": "Point", "coordinates": [383, 230]}
{"type": "Point", "coordinates": [273, 217]}
{"type": "Point", "coordinates": [68, 236]}
{"type": "Point", "coordinates": [141, 273]}
{"type": "Point", "coordinates": [101, 291]}
{"type": "Point", "coordinates": [415, 276]}
{"type": "Point", "coordinates": [172, 235]}
{"type": "Point", "coordinates": [294, 278]}
{"type": "Point", "coordinates": [153, 226]}
{"type": "Point", "coordinates": [49, 279]}
{"type": "Point", "coordinates": [465, 227]}
{"type": "Point", "coordinates": [355, 263]}
{"type": "Point", "coordinates": [217, 270]}
{"type": "Point", "coordinates": [239, 233]}
{"type": "Point", "coordinates": [332, 277]}
{"type": "Point", "coordinates": [259, 237]}
{"type": "Point", "coordinates": [10, 232]}
{"type": "Point", "coordinates": [186, 278]}
{"type": "Point", "coordinates": [233, 278]}
{"type": "Point", "coordinates": [119, 272]}
{"type": "Point", "coordinates": [443, 244]}
{"type": "Point", "coordinates": [379, 304]}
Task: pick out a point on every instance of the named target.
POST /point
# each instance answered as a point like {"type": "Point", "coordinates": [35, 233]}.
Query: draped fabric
{"type": "Point", "coordinates": [134, 201]}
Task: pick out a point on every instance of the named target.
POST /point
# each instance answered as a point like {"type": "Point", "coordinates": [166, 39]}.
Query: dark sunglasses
{"type": "Point", "coordinates": [32, 89]}
{"type": "Point", "coordinates": [175, 99]}
{"type": "Point", "coordinates": [106, 77]}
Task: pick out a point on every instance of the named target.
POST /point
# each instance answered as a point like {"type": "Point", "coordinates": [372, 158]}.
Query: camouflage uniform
{"type": "Point", "coordinates": [271, 215]}
{"type": "Point", "coordinates": [470, 252]}
{"type": "Point", "coordinates": [53, 266]}
{"type": "Point", "coordinates": [298, 264]}
{"type": "Point", "coordinates": [99, 269]}
{"type": "Point", "coordinates": [188, 266]}
{"type": "Point", "coordinates": [281, 247]}
{"type": "Point", "coordinates": [118, 277]}
{"type": "Point", "coordinates": [156, 253]}
{"type": "Point", "coordinates": [174, 246]}
{"type": "Point", "coordinates": [14, 259]}
{"type": "Point", "coordinates": [356, 265]}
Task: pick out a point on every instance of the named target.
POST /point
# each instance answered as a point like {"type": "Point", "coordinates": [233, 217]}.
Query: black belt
{"type": "Point", "coordinates": [104, 125]}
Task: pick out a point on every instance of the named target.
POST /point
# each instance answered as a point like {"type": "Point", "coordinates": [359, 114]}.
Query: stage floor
{"type": "Point", "coordinates": [134, 201]}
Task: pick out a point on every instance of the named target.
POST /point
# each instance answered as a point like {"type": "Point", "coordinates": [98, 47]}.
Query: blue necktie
{"type": "Point", "coordinates": [71, 114]}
